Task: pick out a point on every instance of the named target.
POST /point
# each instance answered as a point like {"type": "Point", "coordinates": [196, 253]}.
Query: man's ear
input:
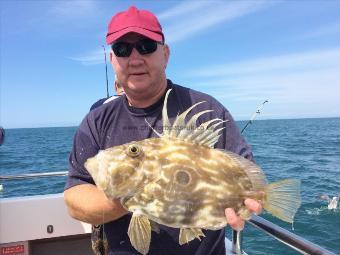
{"type": "Point", "coordinates": [111, 56]}
{"type": "Point", "coordinates": [166, 54]}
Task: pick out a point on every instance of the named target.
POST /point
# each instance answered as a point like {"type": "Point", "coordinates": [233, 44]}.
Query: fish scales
{"type": "Point", "coordinates": [187, 187]}
{"type": "Point", "coordinates": [179, 180]}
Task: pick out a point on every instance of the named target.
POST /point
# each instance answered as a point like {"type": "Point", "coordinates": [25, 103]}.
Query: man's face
{"type": "Point", "coordinates": [141, 75]}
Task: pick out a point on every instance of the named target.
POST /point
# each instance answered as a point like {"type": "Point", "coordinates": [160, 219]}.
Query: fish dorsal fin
{"type": "Point", "coordinates": [209, 133]}
{"type": "Point", "coordinates": [254, 172]}
{"type": "Point", "coordinates": [191, 125]}
{"type": "Point", "coordinates": [205, 134]}
{"type": "Point", "coordinates": [211, 137]}
{"type": "Point", "coordinates": [194, 135]}
{"type": "Point", "coordinates": [180, 121]}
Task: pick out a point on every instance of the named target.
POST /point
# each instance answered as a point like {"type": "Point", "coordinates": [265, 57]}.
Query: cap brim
{"type": "Point", "coordinates": [147, 33]}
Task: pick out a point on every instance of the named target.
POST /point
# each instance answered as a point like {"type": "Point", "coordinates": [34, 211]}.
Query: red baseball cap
{"type": "Point", "coordinates": [133, 20]}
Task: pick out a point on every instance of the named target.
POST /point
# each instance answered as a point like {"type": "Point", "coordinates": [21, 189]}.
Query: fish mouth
{"type": "Point", "coordinates": [92, 167]}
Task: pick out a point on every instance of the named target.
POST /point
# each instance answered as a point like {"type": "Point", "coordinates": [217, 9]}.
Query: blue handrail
{"type": "Point", "coordinates": [291, 240]}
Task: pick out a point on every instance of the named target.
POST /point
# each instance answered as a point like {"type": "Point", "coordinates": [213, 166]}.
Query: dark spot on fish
{"type": "Point", "coordinates": [182, 177]}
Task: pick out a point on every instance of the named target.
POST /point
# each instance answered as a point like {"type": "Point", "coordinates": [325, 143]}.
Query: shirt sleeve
{"type": "Point", "coordinates": [85, 145]}
{"type": "Point", "coordinates": [98, 103]}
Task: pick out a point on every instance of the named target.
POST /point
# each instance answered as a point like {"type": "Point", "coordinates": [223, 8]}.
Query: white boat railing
{"type": "Point", "coordinates": [289, 239]}
{"type": "Point", "coordinates": [33, 175]}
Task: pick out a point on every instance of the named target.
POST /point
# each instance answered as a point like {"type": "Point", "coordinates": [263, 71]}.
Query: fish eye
{"type": "Point", "coordinates": [133, 150]}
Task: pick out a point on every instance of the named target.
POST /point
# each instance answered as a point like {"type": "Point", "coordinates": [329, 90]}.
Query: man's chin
{"type": "Point", "coordinates": [138, 78]}
{"type": "Point", "coordinates": [138, 87]}
{"type": "Point", "coordinates": [138, 83]}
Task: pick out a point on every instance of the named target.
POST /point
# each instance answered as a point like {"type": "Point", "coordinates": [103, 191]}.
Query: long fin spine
{"type": "Point", "coordinates": [152, 128]}
{"type": "Point", "coordinates": [166, 122]}
{"type": "Point", "coordinates": [207, 130]}
{"type": "Point", "coordinates": [179, 122]}
{"type": "Point", "coordinates": [191, 125]}
{"type": "Point", "coordinates": [210, 138]}
{"type": "Point", "coordinates": [204, 134]}
{"type": "Point", "coordinates": [200, 129]}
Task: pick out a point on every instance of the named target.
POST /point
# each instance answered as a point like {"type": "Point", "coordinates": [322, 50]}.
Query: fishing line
{"type": "Point", "coordinates": [107, 80]}
{"type": "Point", "coordinates": [252, 118]}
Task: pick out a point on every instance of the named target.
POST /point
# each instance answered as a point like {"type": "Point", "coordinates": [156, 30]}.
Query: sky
{"type": "Point", "coordinates": [52, 66]}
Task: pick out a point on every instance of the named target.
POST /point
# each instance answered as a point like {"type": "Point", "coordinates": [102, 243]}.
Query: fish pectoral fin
{"type": "Point", "coordinates": [188, 234]}
{"type": "Point", "coordinates": [155, 226]}
{"type": "Point", "coordinates": [283, 199]}
{"type": "Point", "coordinates": [140, 232]}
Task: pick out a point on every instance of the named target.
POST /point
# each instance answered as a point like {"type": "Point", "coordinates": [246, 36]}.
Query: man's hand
{"type": "Point", "coordinates": [235, 221]}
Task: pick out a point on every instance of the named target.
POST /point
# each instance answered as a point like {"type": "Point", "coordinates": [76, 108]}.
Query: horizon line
{"type": "Point", "coordinates": [238, 120]}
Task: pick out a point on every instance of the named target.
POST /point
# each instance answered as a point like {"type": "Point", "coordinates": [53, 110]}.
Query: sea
{"type": "Point", "coordinates": [305, 149]}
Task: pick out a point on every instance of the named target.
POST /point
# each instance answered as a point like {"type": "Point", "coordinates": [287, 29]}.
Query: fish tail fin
{"type": "Point", "coordinates": [283, 199]}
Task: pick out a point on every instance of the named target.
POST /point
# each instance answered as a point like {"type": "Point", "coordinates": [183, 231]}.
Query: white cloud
{"type": "Point", "coordinates": [187, 20]}
{"type": "Point", "coordinates": [329, 29]}
{"type": "Point", "coordinates": [93, 57]}
{"type": "Point", "coordinates": [184, 8]}
{"type": "Point", "coordinates": [73, 9]}
{"type": "Point", "coordinates": [282, 63]}
{"type": "Point", "coordinates": [306, 83]}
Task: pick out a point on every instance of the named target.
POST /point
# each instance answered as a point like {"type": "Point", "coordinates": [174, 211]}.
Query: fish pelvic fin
{"type": "Point", "coordinates": [207, 133]}
{"type": "Point", "coordinates": [283, 199]}
{"type": "Point", "coordinates": [188, 234]}
{"type": "Point", "coordinates": [139, 232]}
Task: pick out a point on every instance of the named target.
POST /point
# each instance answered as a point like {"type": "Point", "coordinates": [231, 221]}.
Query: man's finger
{"type": "Point", "coordinates": [253, 205]}
{"type": "Point", "coordinates": [233, 220]}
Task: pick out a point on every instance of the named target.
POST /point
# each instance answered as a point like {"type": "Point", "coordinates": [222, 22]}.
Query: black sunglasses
{"type": "Point", "coordinates": [144, 46]}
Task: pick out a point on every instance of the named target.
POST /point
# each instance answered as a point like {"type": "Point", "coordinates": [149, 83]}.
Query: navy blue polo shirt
{"type": "Point", "coordinates": [117, 123]}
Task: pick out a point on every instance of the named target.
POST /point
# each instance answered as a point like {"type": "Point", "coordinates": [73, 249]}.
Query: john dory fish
{"type": "Point", "coordinates": [181, 181]}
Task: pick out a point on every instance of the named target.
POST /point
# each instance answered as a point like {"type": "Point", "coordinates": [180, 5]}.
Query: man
{"type": "Point", "coordinates": [2, 135]}
{"type": "Point", "coordinates": [332, 203]}
{"type": "Point", "coordinates": [139, 58]}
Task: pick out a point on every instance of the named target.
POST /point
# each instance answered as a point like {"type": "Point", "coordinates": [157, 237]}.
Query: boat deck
{"type": "Point", "coordinates": [40, 225]}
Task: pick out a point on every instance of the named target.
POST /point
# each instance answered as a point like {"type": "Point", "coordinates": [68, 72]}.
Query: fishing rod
{"type": "Point", "coordinates": [252, 118]}
{"type": "Point", "coordinates": [107, 80]}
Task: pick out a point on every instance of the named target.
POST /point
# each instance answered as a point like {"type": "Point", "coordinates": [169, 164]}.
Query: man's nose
{"type": "Point", "coordinates": [135, 58]}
